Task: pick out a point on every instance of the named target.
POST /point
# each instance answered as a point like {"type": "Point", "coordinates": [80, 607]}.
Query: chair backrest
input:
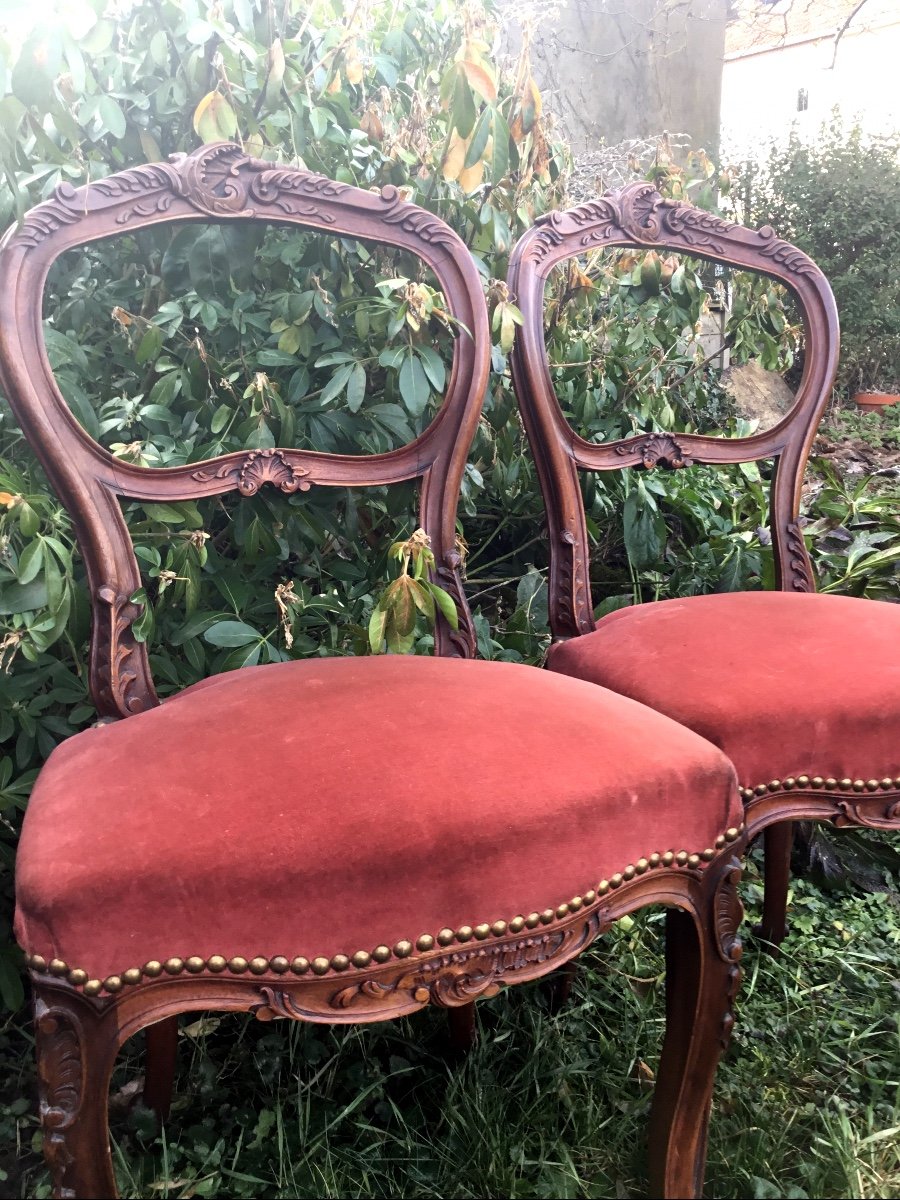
{"type": "Point", "coordinates": [638, 216]}
{"type": "Point", "coordinates": [220, 183]}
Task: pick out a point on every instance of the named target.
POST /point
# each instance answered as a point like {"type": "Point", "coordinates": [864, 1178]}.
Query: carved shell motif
{"type": "Point", "coordinates": [259, 467]}
{"type": "Point", "coordinates": [657, 450]}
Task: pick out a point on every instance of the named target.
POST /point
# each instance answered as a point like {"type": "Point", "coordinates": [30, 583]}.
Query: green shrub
{"type": "Point", "coordinates": [838, 198]}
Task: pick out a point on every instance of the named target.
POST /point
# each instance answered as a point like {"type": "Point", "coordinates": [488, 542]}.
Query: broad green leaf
{"type": "Point", "coordinates": [377, 623]}
{"type": "Point", "coordinates": [433, 366]}
{"type": "Point", "coordinates": [356, 388]}
{"type": "Point", "coordinates": [445, 603]}
{"type": "Point", "coordinates": [462, 112]}
{"type": "Point", "coordinates": [30, 561]}
{"type": "Point", "coordinates": [414, 386]}
{"type": "Point", "coordinates": [110, 113]}
{"type": "Point", "coordinates": [231, 633]}
{"type": "Point", "coordinates": [19, 598]}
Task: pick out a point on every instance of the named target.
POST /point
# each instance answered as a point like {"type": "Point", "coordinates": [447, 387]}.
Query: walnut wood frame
{"type": "Point", "coordinates": [79, 1036]}
{"type": "Point", "coordinates": [80, 1026]}
{"type": "Point", "coordinates": [638, 216]}
{"type": "Point", "coordinates": [221, 183]}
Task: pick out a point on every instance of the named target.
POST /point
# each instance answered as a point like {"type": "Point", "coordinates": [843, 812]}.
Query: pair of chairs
{"type": "Point", "coordinates": [233, 849]}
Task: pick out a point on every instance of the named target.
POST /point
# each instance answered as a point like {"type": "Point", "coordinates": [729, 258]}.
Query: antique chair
{"type": "Point", "coordinates": [800, 690]}
{"type": "Point", "coordinates": [233, 849]}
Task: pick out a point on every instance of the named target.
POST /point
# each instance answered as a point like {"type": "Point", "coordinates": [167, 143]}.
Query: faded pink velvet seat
{"type": "Point", "coordinates": [801, 691]}
{"type": "Point", "coordinates": [263, 770]}
{"type": "Point", "coordinates": [334, 840]}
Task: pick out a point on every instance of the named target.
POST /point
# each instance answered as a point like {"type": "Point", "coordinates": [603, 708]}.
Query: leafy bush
{"type": "Point", "coordinates": [838, 198]}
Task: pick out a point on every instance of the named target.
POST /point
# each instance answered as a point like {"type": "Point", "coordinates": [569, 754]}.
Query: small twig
{"type": "Point", "coordinates": [843, 29]}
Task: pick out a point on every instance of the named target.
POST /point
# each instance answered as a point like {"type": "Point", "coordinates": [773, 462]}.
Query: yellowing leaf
{"type": "Point", "coordinates": [353, 68]}
{"type": "Point", "coordinates": [276, 72]}
{"type": "Point", "coordinates": [335, 86]}
{"type": "Point", "coordinates": [214, 119]}
{"type": "Point", "coordinates": [455, 157]}
{"type": "Point", "coordinates": [370, 124]}
{"type": "Point", "coordinates": [480, 80]}
{"type": "Point", "coordinates": [471, 177]}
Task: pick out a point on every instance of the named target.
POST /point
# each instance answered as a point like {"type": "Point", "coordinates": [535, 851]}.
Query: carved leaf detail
{"type": "Point", "coordinates": [448, 980]}
{"type": "Point", "coordinates": [800, 567]}
{"type": "Point", "coordinates": [414, 220]}
{"type": "Point", "coordinates": [728, 914]}
{"type": "Point", "coordinates": [60, 1086]}
{"type": "Point", "coordinates": [638, 213]}
{"type": "Point", "coordinates": [115, 648]}
{"type": "Point", "coordinates": [856, 813]}
{"type": "Point", "coordinates": [573, 611]}
{"type": "Point", "coordinates": [448, 577]}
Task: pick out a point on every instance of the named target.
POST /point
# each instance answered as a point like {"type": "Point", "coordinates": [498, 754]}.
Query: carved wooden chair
{"type": "Point", "coordinates": [800, 690]}
{"type": "Point", "coordinates": [284, 868]}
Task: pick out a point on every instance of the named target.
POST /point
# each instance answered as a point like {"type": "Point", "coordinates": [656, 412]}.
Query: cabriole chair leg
{"type": "Point", "coordinates": [162, 1057]}
{"type": "Point", "coordinates": [558, 986]}
{"type": "Point", "coordinates": [462, 1028]}
{"type": "Point", "coordinates": [702, 977]}
{"type": "Point", "coordinates": [76, 1049]}
{"type": "Point", "coordinates": [778, 841]}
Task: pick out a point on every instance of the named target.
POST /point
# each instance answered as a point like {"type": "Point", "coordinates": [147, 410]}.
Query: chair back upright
{"type": "Point", "coordinates": [638, 216]}
{"type": "Point", "coordinates": [220, 183]}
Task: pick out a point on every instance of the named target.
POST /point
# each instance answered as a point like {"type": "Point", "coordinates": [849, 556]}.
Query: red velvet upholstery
{"type": "Point", "coordinates": [332, 805]}
{"type": "Point", "coordinates": [785, 684]}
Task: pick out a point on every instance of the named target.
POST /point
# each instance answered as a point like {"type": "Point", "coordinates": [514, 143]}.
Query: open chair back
{"type": "Point", "coordinates": [638, 216]}
{"type": "Point", "coordinates": [220, 183]}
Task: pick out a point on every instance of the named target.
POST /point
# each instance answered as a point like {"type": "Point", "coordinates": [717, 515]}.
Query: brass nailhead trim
{"type": "Point", "coordinates": [887, 784]}
{"type": "Point", "coordinates": [279, 965]}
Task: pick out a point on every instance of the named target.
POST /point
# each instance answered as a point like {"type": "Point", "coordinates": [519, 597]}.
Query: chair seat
{"type": "Point", "coordinates": [787, 685]}
{"type": "Point", "coordinates": [326, 807]}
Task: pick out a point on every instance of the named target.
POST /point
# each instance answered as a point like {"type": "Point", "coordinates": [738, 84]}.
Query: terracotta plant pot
{"type": "Point", "coordinates": [874, 401]}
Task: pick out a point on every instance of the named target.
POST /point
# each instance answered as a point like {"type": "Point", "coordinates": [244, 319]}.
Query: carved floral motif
{"type": "Point", "coordinates": [259, 467]}
{"type": "Point", "coordinates": [60, 1082]}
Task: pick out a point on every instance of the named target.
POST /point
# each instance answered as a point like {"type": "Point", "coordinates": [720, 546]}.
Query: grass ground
{"type": "Point", "coordinates": [807, 1102]}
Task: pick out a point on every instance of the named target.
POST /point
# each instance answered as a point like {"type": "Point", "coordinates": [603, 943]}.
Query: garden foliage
{"type": "Point", "coordinates": [176, 344]}
{"type": "Point", "coordinates": [838, 198]}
